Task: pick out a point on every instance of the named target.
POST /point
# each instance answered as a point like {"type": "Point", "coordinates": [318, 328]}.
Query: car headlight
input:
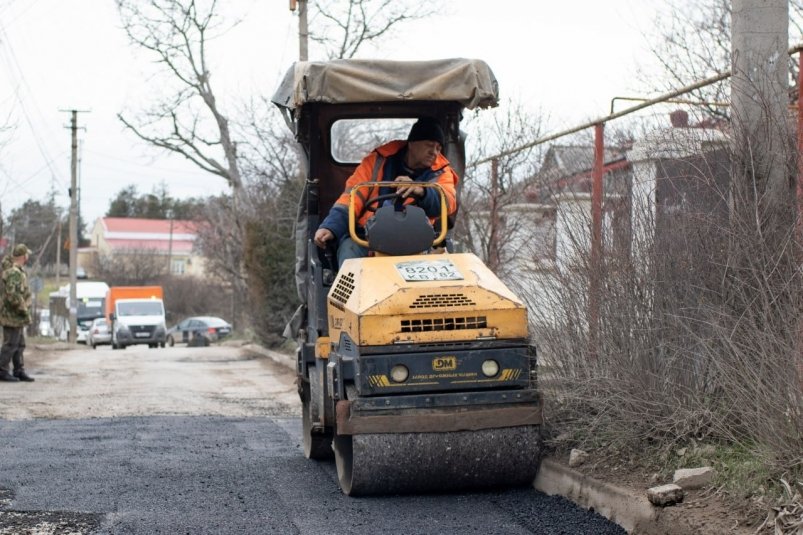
{"type": "Point", "coordinates": [399, 373]}
{"type": "Point", "coordinates": [490, 368]}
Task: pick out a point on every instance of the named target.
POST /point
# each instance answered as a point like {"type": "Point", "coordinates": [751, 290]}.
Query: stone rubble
{"type": "Point", "coordinates": [577, 457]}
{"type": "Point", "coordinates": [693, 478]}
{"type": "Point", "coordinates": [665, 495]}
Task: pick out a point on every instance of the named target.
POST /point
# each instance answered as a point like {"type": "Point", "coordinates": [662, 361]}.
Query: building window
{"type": "Point", "coordinates": [177, 267]}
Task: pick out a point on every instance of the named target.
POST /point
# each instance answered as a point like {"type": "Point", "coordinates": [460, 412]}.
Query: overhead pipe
{"type": "Point", "coordinates": [647, 103]}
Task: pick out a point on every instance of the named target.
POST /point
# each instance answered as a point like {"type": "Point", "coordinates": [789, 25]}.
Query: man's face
{"type": "Point", "coordinates": [422, 154]}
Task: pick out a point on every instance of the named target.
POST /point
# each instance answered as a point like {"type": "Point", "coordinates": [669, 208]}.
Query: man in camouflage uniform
{"type": "Point", "coordinates": [15, 314]}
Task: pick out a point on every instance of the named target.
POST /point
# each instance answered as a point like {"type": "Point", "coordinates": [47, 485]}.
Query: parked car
{"type": "Point", "coordinates": [198, 330]}
{"type": "Point", "coordinates": [98, 333]}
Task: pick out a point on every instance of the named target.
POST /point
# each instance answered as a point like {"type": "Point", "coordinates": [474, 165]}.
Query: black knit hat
{"type": "Point", "coordinates": [427, 129]}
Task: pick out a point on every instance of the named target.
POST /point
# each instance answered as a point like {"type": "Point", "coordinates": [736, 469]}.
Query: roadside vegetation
{"type": "Point", "coordinates": [680, 346]}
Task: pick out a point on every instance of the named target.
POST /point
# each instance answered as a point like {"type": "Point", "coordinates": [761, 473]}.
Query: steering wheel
{"type": "Point", "coordinates": [379, 199]}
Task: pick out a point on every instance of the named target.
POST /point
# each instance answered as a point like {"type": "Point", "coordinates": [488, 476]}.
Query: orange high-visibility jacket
{"type": "Point", "coordinates": [372, 169]}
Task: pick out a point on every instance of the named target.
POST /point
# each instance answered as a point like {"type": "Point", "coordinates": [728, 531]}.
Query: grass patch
{"type": "Point", "coordinates": [741, 470]}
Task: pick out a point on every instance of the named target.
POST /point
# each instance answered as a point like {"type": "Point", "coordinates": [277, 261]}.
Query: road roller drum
{"type": "Point", "coordinates": [398, 463]}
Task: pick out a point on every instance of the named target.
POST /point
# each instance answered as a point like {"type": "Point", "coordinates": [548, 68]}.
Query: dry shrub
{"type": "Point", "coordinates": [187, 296]}
{"type": "Point", "coordinates": [697, 335]}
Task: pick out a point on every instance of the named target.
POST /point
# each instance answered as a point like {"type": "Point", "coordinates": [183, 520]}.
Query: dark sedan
{"type": "Point", "coordinates": [198, 330]}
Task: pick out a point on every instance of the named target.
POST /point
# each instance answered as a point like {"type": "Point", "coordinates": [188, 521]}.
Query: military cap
{"type": "Point", "coordinates": [20, 250]}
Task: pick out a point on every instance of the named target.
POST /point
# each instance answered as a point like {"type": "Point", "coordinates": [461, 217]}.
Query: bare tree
{"type": "Point", "coordinates": [343, 28]}
{"type": "Point", "coordinates": [488, 189]}
{"type": "Point", "coordinates": [194, 296]}
{"type": "Point", "coordinates": [130, 268]}
{"type": "Point", "coordinates": [272, 156]}
{"type": "Point", "coordinates": [189, 121]}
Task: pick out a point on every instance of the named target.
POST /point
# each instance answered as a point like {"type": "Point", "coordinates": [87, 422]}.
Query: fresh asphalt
{"type": "Point", "coordinates": [222, 475]}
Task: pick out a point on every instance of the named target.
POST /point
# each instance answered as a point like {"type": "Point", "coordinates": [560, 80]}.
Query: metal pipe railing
{"type": "Point", "coordinates": [647, 103]}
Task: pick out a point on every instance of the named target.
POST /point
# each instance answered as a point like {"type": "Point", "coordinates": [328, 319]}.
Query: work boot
{"type": "Point", "coordinates": [22, 376]}
{"type": "Point", "coordinates": [5, 376]}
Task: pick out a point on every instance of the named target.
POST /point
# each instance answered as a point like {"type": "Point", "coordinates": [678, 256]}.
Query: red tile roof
{"type": "Point", "coordinates": [122, 233]}
{"type": "Point", "coordinates": [133, 224]}
{"type": "Point", "coordinates": [179, 246]}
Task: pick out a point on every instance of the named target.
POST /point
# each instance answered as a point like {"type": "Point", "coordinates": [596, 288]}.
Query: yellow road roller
{"type": "Point", "coordinates": [415, 366]}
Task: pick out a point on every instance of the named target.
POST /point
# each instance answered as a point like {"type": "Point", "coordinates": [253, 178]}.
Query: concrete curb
{"type": "Point", "coordinates": [631, 511]}
{"type": "Point", "coordinates": [281, 359]}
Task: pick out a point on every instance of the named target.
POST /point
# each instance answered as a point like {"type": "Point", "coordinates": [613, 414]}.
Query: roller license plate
{"type": "Point", "coordinates": [429, 270]}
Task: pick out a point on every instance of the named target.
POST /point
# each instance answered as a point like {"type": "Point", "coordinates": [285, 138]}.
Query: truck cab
{"type": "Point", "coordinates": [136, 315]}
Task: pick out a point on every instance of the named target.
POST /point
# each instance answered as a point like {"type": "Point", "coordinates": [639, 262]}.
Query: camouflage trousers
{"type": "Point", "coordinates": [12, 349]}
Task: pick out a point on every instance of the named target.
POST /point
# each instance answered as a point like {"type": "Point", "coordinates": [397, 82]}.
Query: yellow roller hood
{"type": "Point", "coordinates": [429, 298]}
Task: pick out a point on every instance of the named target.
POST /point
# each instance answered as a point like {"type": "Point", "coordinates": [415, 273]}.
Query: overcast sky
{"type": "Point", "coordinates": [566, 58]}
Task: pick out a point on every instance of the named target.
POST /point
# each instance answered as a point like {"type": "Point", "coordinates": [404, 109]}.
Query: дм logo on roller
{"type": "Point", "coordinates": [444, 364]}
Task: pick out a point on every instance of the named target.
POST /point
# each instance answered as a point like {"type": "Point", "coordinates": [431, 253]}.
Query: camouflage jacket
{"type": "Point", "coordinates": [16, 297]}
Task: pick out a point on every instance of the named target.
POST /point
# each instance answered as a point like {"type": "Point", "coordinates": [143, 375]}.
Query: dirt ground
{"type": "Point", "coordinates": [707, 511]}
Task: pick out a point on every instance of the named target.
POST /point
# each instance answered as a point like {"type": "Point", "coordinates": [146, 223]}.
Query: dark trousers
{"type": "Point", "coordinates": [13, 346]}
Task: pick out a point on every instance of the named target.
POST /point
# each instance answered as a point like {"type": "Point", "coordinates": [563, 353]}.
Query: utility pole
{"type": "Point", "coordinates": [303, 30]}
{"type": "Point", "coordinates": [759, 95]}
{"type": "Point", "coordinates": [59, 245]}
{"type": "Point", "coordinates": [73, 238]}
{"type": "Point", "coordinates": [170, 246]}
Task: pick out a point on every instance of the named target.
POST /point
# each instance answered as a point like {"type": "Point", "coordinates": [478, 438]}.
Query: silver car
{"type": "Point", "coordinates": [98, 333]}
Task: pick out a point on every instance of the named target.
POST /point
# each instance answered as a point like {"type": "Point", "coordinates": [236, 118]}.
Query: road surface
{"type": "Point", "coordinates": [205, 440]}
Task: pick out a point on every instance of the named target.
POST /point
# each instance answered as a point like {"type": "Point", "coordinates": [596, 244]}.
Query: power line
{"type": "Point", "coordinates": [27, 8]}
{"type": "Point", "coordinates": [13, 68]}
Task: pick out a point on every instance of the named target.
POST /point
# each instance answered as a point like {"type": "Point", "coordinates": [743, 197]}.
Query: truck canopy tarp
{"type": "Point", "coordinates": [467, 81]}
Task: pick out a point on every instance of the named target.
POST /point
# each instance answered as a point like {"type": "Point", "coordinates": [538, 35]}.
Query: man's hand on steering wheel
{"type": "Point", "coordinates": [412, 189]}
{"type": "Point", "coordinates": [323, 235]}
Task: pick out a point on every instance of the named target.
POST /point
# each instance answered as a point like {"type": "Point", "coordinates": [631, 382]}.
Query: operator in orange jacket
{"type": "Point", "coordinates": [419, 159]}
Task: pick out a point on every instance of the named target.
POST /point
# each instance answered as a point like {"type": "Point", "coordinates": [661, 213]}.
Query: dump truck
{"type": "Point", "coordinates": [136, 315]}
{"type": "Point", "coordinates": [416, 372]}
